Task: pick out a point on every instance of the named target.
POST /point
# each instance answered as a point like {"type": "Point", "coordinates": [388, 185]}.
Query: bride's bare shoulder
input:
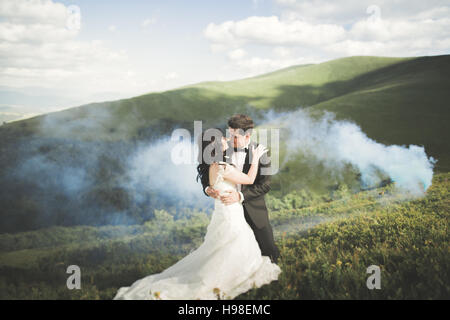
{"type": "Point", "coordinates": [213, 167]}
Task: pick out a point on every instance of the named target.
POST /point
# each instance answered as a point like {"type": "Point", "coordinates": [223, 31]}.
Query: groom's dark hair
{"type": "Point", "coordinates": [241, 121]}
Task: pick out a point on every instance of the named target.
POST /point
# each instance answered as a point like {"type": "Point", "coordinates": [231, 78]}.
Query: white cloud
{"type": "Point", "coordinates": [350, 11]}
{"type": "Point", "coordinates": [34, 32]}
{"type": "Point", "coordinates": [282, 52]}
{"type": "Point", "coordinates": [385, 30]}
{"type": "Point", "coordinates": [319, 30]}
{"type": "Point", "coordinates": [396, 37]}
{"type": "Point", "coordinates": [172, 76]}
{"type": "Point", "coordinates": [39, 46]}
{"type": "Point", "coordinates": [218, 47]}
{"type": "Point", "coordinates": [34, 11]}
{"type": "Point", "coordinates": [271, 30]}
{"type": "Point", "coordinates": [237, 54]}
{"type": "Point", "coordinates": [112, 28]}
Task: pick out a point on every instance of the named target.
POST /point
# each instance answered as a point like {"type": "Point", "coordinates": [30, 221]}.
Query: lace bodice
{"type": "Point", "coordinates": [221, 184]}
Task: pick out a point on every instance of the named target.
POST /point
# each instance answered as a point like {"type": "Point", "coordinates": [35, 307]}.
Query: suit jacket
{"type": "Point", "coordinates": [254, 202]}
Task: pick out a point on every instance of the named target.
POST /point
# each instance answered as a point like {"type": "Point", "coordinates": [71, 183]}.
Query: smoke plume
{"type": "Point", "coordinates": [338, 142]}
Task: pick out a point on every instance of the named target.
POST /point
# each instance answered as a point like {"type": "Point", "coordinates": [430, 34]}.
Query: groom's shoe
{"type": "Point", "coordinates": [276, 256]}
{"type": "Point", "coordinates": [274, 259]}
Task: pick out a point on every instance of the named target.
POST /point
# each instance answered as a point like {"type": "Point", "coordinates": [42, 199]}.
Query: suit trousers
{"type": "Point", "coordinates": [264, 237]}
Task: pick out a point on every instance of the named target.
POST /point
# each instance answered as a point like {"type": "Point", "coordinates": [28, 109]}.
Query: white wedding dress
{"type": "Point", "coordinates": [229, 260]}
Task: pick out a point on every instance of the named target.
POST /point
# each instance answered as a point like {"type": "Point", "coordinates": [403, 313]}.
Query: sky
{"type": "Point", "coordinates": [59, 54]}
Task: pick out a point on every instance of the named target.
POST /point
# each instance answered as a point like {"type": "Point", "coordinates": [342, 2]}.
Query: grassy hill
{"type": "Point", "coordinates": [329, 231]}
{"type": "Point", "coordinates": [398, 101]}
{"type": "Point", "coordinates": [394, 100]}
{"type": "Point", "coordinates": [326, 245]}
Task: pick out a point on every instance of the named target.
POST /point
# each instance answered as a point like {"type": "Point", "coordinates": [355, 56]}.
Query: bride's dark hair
{"type": "Point", "coordinates": [210, 136]}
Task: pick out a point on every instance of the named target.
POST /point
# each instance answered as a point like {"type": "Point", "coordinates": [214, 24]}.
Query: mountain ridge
{"type": "Point", "coordinates": [370, 91]}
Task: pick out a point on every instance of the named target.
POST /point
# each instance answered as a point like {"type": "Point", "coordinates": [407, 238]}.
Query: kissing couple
{"type": "Point", "coordinates": [238, 252]}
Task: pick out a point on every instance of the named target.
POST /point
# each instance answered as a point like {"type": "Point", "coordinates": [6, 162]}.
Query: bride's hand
{"type": "Point", "coordinates": [258, 152]}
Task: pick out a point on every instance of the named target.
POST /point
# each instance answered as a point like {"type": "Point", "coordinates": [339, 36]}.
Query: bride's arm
{"type": "Point", "coordinates": [234, 175]}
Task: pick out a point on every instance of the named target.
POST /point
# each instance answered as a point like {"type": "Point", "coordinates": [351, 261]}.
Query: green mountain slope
{"type": "Point", "coordinates": [398, 101]}
{"type": "Point", "coordinates": [394, 100]}
{"type": "Point", "coordinates": [72, 188]}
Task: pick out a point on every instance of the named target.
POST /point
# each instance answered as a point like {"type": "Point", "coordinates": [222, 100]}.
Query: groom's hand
{"type": "Point", "coordinates": [231, 196]}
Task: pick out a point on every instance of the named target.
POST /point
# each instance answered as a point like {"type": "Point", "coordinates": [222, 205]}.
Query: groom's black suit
{"type": "Point", "coordinates": [255, 210]}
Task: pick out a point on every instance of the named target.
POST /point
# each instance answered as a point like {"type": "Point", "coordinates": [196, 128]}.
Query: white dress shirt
{"type": "Point", "coordinates": [238, 159]}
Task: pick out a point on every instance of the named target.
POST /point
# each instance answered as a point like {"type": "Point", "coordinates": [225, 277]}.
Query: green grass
{"type": "Point", "coordinates": [326, 245]}
{"type": "Point", "coordinates": [394, 100]}
{"type": "Point", "coordinates": [409, 241]}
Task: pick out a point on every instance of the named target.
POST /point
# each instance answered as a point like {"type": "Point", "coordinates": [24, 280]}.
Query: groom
{"type": "Point", "coordinates": [251, 196]}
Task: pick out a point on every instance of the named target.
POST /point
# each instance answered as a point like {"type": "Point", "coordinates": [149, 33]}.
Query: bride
{"type": "Point", "coordinates": [228, 262]}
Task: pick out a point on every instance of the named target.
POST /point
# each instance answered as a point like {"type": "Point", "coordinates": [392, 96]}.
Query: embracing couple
{"type": "Point", "coordinates": [238, 252]}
